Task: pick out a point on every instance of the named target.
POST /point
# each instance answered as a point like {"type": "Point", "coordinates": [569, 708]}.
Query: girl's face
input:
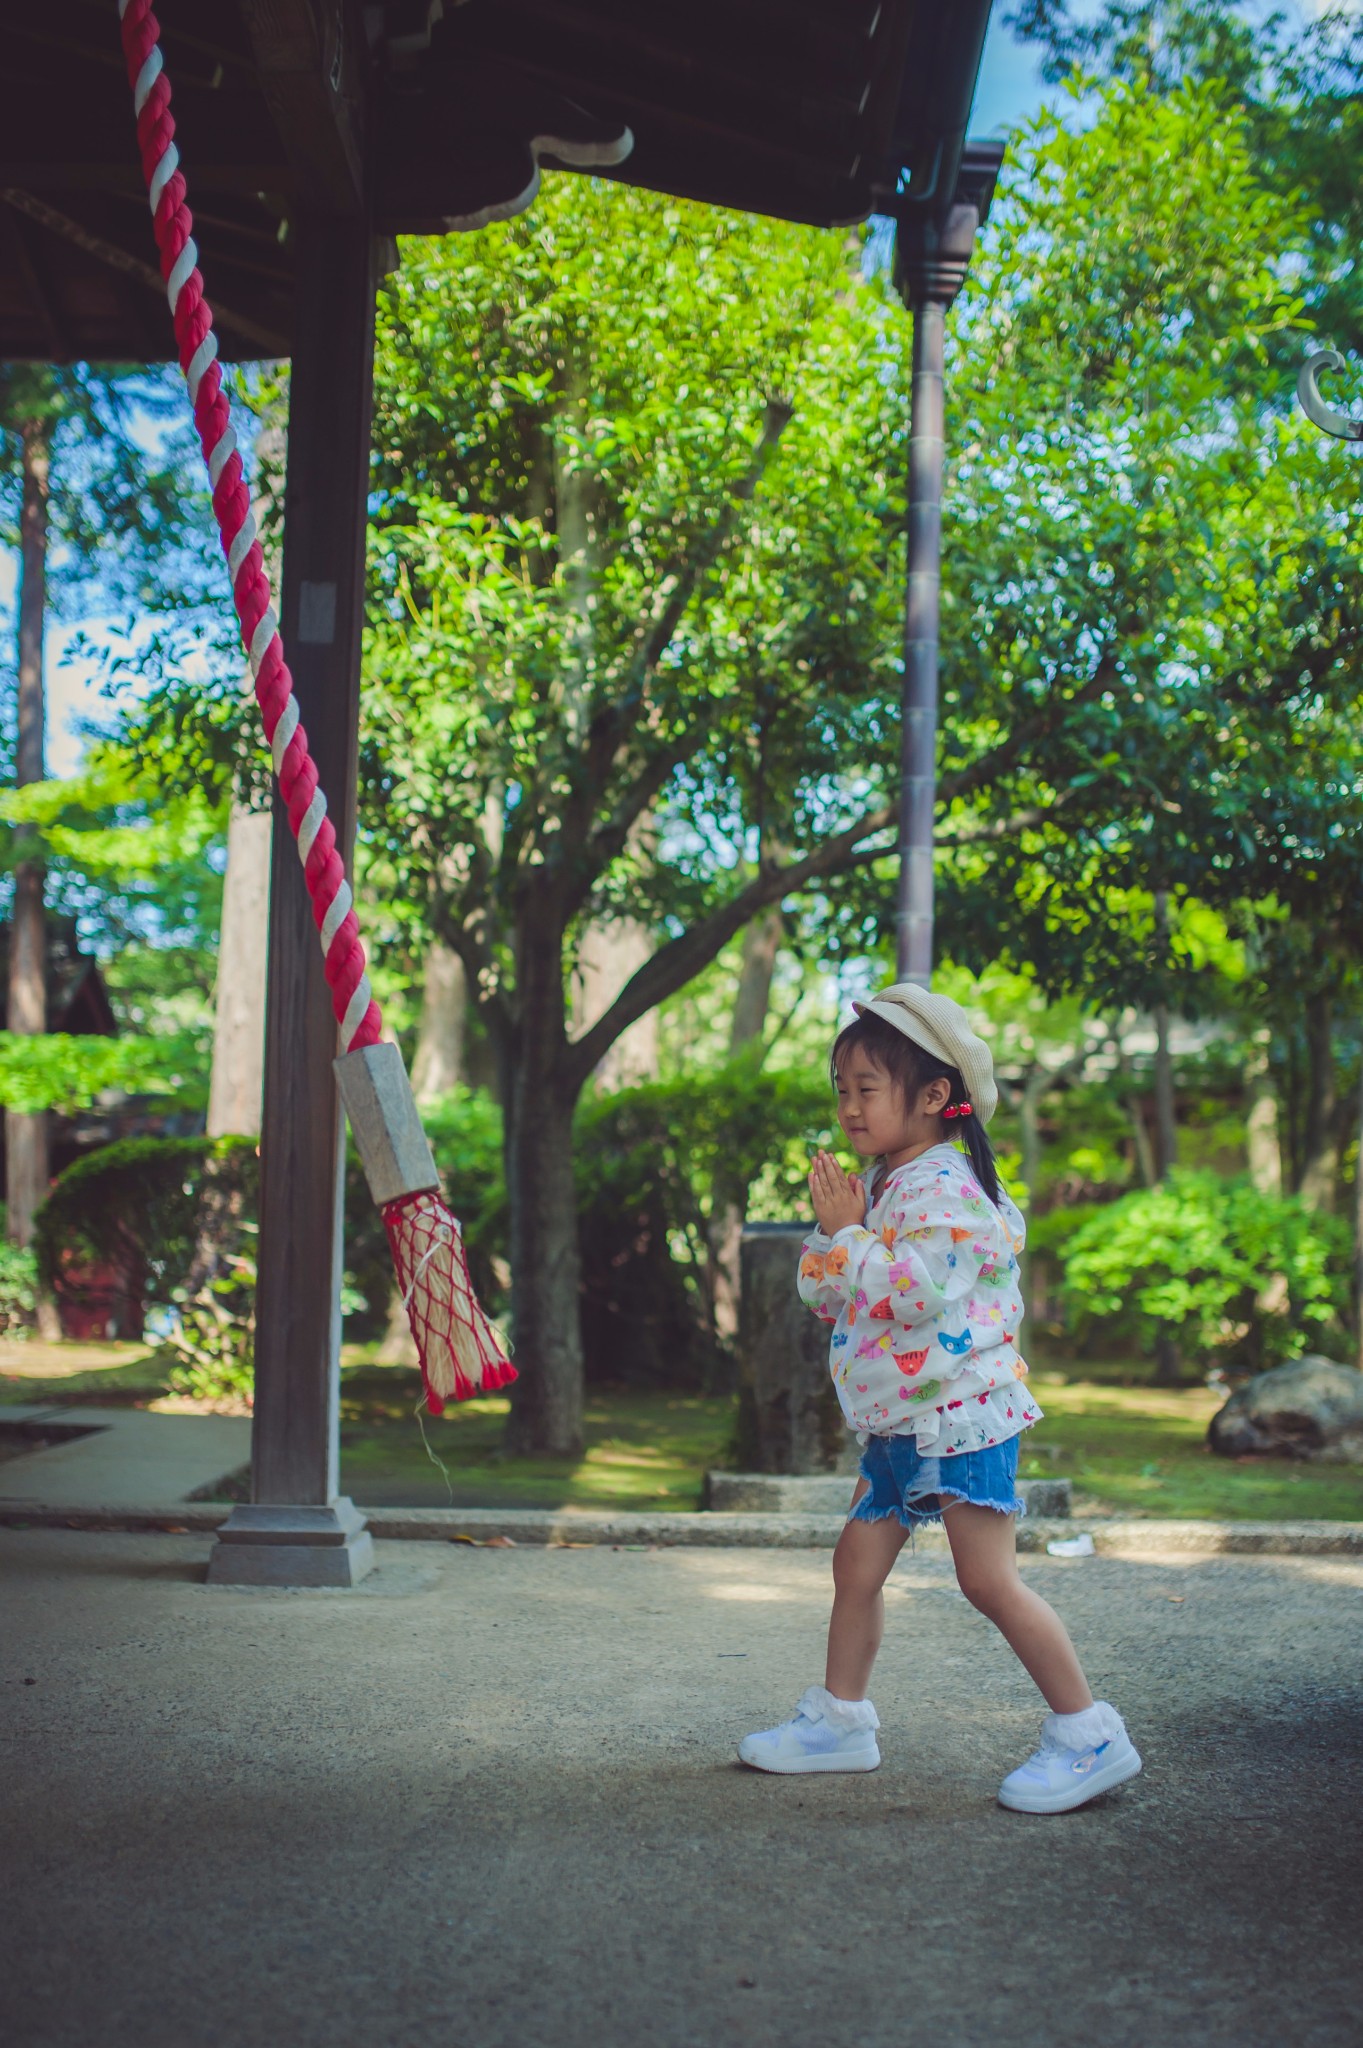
{"type": "Point", "coordinates": [871, 1107]}
{"type": "Point", "coordinates": [876, 1118]}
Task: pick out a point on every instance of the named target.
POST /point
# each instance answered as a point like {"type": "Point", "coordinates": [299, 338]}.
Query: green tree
{"type": "Point", "coordinates": [633, 625]}
{"type": "Point", "coordinates": [88, 509]}
{"type": "Point", "coordinates": [1146, 561]}
{"type": "Point", "coordinates": [1294, 77]}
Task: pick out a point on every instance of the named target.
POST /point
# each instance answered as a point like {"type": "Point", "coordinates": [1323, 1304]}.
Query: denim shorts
{"type": "Point", "coordinates": [916, 1489]}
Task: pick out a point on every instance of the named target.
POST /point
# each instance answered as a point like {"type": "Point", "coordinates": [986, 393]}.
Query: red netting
{"type": "Point", "coordinates": [458, 1347]}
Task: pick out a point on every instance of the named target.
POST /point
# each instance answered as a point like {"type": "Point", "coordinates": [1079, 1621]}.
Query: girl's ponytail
{"type": "Point", "coordinates": [981, 1154]}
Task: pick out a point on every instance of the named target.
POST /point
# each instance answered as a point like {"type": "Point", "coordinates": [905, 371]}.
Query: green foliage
{"type": "Point", "coordinates": [591, 597]}
{"type": "Point", "coordinates": [656, 1168]}
{"type": "Point", "coordinates": [18, 1286]}
{"type": "Point", "coordinates": [213, 1333]}
{"type": "Point", "coordinates": [135, 1207]}
{"type": "Point", "coordinates": [1234, 1275]}
{"type": "Point", "coordinates": [59, 1071]}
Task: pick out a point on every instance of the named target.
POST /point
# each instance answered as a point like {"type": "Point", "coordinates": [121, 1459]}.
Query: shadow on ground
{"type": "Point", "coordinates": [488, 1802]}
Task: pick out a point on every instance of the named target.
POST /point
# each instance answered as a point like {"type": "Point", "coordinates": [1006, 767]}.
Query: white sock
{"type": "Point", "coordinates": [1096, 1724]}
{"type": "Point", "coordinates": [821, 1705]}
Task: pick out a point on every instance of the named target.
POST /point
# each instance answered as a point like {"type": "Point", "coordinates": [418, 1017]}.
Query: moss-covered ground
{"type": "Point", "coordinates": [1129, 1447]}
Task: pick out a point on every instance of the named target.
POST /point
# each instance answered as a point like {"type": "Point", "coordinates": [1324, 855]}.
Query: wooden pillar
{"type": "Point", "coordinates": [932, 252]}
{"type": "Point", "coordinates": [918, 741]}
{"type": "Point", "coordinates": [297, 1531]}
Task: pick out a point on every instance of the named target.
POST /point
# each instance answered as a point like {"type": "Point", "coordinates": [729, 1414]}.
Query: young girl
{"type": "Point", "coordinates": [918, 1275]}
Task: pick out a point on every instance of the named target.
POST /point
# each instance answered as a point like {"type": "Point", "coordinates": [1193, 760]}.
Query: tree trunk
{"type": "Point", "coordinates": [1166, 1133]}
{"type": "Point", "coordinates": [1263, 1147]}
{"type": "Point", "coordinates": [1029, 1126]}
{"type": "Point", "coordinates": [237, 1086]}
{"type": "Point", "coordinates": [610, 955]}
{"type": "Point", "coordinates": [1140, 1135]}
{"type": "Point", "coordinates": [546, 1315]}
{"type": "Point", "coordinates": [761, 944]}
{"type": "Point", "coordinates": [1166, 1154]}
{"type": "Point", "coordinates": [238, 1078]}
{"type": "Point", "coordinates": [1166, 1120]}
{"type": "Point", "coordinates": [26, 1135]}
{"type": "Point", "coordinates": [1320, 1165]}
{"type": "Point", "coordinates": [439, 1062]}
{"type": "Point", "coordinates": [1358, 1230]}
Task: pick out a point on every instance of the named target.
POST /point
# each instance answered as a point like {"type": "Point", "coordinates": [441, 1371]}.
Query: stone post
{"type": "Point", "coordinates": [788, 1414]}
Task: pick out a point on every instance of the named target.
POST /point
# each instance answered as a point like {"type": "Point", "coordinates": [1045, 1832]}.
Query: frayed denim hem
{"type": "Point", "coordinates": [910, 1517]}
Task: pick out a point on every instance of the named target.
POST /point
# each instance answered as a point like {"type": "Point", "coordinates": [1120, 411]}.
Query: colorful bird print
{"type": "Point", "coordinates": [910, 1362]}
{"type": "Point", "coordinates": [882, 1312]}
{"type": "Point", "coordinates": [957, 1346]}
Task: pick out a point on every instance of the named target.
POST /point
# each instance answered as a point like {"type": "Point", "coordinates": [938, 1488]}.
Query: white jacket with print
{"type": "Point", "coordinates": [925, 1302]}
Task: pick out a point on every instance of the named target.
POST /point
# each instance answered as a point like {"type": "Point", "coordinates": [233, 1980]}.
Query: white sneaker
{"type": "Point", "coordinates": [827, 1734]}
{"type": "Point", "coordinates": [1080, 1756]}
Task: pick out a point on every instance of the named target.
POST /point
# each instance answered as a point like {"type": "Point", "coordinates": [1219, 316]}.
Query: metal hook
{"type": "Point", "coordinates": [1313, 405]}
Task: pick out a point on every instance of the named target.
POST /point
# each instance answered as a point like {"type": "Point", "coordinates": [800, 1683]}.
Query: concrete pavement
{"type": "Point", "coordinates": [487, 1801]}
{"type": "Point", "coordinates": [121, 1457]}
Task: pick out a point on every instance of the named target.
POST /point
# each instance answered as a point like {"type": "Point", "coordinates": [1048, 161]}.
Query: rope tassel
{"type": "Point", "coordinates": [458, 1349]}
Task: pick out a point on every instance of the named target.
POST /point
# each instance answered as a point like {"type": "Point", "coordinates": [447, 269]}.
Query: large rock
{"type": "Point", "coordinates": [788, 1414]}
{"type": "Point", "coordinates": [1311, 1408]}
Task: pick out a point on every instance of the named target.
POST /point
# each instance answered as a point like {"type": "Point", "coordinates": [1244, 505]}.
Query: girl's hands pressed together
{"type": "Point", "coordinates": [839, 1198]}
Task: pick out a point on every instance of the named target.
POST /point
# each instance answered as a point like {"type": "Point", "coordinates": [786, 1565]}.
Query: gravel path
{"type": "Point", "coordinates": [486, 1801]}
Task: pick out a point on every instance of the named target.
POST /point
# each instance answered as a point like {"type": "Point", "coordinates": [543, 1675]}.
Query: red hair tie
{"type": "Point", "coordinates": [958, 1109]}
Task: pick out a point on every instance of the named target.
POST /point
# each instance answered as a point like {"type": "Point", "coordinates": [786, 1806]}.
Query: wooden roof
{"type": "Point", "coordinates": [77, 1000]}
{"type": "Point", "coordinates": [439, 116]}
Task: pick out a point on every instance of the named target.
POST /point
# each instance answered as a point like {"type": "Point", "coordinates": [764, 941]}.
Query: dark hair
{"type": "Point", "coordinates": [911, 1067]}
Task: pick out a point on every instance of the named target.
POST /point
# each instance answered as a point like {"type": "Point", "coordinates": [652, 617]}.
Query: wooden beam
{"type": "Point", "coordinates": [295, 1435]}
{"type": "Point", "coordinates": [310, 56]}
{"type": "Point", "coordinates": [58, 340]}
{"type": "Point", "coordinates": [110, 253]}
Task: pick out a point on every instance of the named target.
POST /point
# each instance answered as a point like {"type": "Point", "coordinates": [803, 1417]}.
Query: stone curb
{"type": "Point", "coordinates": [532, 1526]}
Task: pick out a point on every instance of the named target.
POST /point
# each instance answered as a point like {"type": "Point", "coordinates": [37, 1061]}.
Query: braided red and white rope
{"type": "Point", "coordinates": [352, 999]}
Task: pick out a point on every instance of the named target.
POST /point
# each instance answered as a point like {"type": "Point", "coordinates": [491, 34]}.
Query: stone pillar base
{"type": "Point", "coordinates": [267, 1545]}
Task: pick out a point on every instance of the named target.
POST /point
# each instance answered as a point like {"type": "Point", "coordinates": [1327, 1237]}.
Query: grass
{"type": "Point", "coordinates": [80, 1374]}
{"type": "Point", "coordinates": [643, 1451]}
{"type": "Point", "coordinates": [1130, 1448]}
{"type": "Point", "coordinates": [1141, 1450]}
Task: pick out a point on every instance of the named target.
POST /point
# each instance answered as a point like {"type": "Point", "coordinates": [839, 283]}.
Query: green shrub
{"type": "Point", "coordinates": [656, 1168]}
{"type": "Point", "coordinates": [1236, 1276]}
{"type": "Point", "coordinates": [213, 1334]}
{"type": "Point", "coordinates": [18, 1286]}
{"type": "Point", "coordinates": [146, 1209]}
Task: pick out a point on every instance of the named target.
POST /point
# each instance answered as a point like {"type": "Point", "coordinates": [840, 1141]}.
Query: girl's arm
{"type": "Point", "coordinates": [928, 1255]}
{"type": "Point", "coordinates": [839, 1204]}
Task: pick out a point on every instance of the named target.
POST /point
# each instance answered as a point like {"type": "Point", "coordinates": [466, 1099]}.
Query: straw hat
{"type": "Point", "coordinates": [942, 1028]}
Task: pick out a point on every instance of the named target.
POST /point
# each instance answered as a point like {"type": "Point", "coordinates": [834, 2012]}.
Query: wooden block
{"type": "Point", "coordinates": [383, 1115]}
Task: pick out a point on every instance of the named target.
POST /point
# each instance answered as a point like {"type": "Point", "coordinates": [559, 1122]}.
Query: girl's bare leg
{"type": "Point", "coordinates": [861, 1564]}
{"type": "Point", "coordinates": [984, 1550]}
